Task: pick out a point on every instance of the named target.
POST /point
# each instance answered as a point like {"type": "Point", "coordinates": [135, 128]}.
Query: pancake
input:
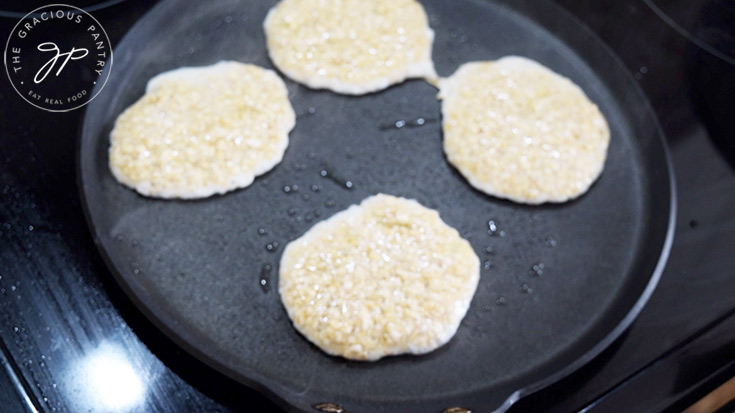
{"type": "Point", "coordinates": [352, 47]}
{"type": "Point", "coordinates": [519, 131]}
{"type": "Point", "coordinates": [200, 131]}
{"type": "Point", "coordinates": [381, 278]}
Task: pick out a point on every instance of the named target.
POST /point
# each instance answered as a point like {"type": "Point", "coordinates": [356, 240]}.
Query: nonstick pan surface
{"type": "Point", "coordinates": [199, 269]}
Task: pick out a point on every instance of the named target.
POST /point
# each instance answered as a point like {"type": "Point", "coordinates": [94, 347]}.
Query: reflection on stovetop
{"type": "Point", "coordinates": [712, 90]}
{"type": "Point", "coordinates": [71, 340]}
{"type": "Point", "coordinates": [708, 25]}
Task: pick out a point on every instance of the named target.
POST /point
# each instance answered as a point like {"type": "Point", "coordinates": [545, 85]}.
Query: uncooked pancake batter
{"type": "Point", "coordinates": [350, 46]}
{"type": "Point", "coordinates": [517, 130]}
{"type": "Point", "coordinates": [201, 131]}
{"type": "Point", "coordinates": [381, 278]}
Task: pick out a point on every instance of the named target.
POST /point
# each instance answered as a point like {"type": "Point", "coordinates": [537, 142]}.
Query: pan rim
{"type": "Point", "coordinates": [648, 291]}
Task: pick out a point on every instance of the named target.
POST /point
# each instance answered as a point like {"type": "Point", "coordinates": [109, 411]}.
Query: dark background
{"type": "Point", "coordinates": [58, 302]}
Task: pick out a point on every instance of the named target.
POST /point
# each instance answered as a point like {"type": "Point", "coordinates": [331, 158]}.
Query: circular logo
{"type": "Point", "coordinates": [58, 57]}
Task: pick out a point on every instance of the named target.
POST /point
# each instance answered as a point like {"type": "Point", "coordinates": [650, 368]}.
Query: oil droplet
{"type": "Point", "coordinates": [262, 231]}
{"type": "Point", "coordinates": [292, 211]}
{"type": "Point", "coordinates": [272, 246]}
{"type": "Point", "coordinates": [16, 329]}
{"type": "Point", "coordinates": [489, 250]}
{"type": "Point", "coordinates": [295, 188]}
{"type": "Point", "coordinates": [309, 217]}
{"type": "Point", "coordinates": [400, 124]}
{"type": "Point", "coordinates": [550, 242]}
{"type": "Point", "coordinates": [286, 189]}
{"type": "Point", "coordinates": [134, 243]}
{"type": "Point", "coordinates": [30, 228]}
{"type": "Point", "coordinates": [13, 288]}
{"type": "Point", "coordinates": [328, 408]}
{"type": "Point", "coordinates": [312, 111]}
{"type": "Point", "coordinates": [537, 269]}
{"type": "Point", "coordinates": [487, 265]}
{"type": "Point", "coordinates": [500, 301]}
{"type": "Point", "coordinates": [525, 289]}
{"type": "Point", "coordinates": [315, 188]}
{"type": "Point", "coordinates": [335, 178]}
{"type": "Point", "coordinates": [317, 213]}
{"type": "Point", "coordinates": [492, 227]}
{"type": "Point", "coordinates": [265, 278]}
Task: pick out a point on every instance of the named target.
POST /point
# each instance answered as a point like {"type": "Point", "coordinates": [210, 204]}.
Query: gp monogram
{"type": "Point", "coordinates": [54, 72]}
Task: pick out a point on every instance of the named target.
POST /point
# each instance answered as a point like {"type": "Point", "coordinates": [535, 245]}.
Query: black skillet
{"type": "Point", "coordinates": [199, 269]}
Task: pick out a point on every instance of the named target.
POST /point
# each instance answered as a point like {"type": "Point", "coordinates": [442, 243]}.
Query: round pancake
{"type": "Point", "coordinates": [202, 131]}
{"type": "Point", "coordinates": [519, 131]}
{"type": "Point", "coordinates": [350, 46]}
{"type": "Point", "coordinates": [381, 278]}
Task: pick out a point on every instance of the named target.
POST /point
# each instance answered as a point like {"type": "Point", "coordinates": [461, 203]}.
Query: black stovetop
{"type": "Point", "coordinates": [66, 327]}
